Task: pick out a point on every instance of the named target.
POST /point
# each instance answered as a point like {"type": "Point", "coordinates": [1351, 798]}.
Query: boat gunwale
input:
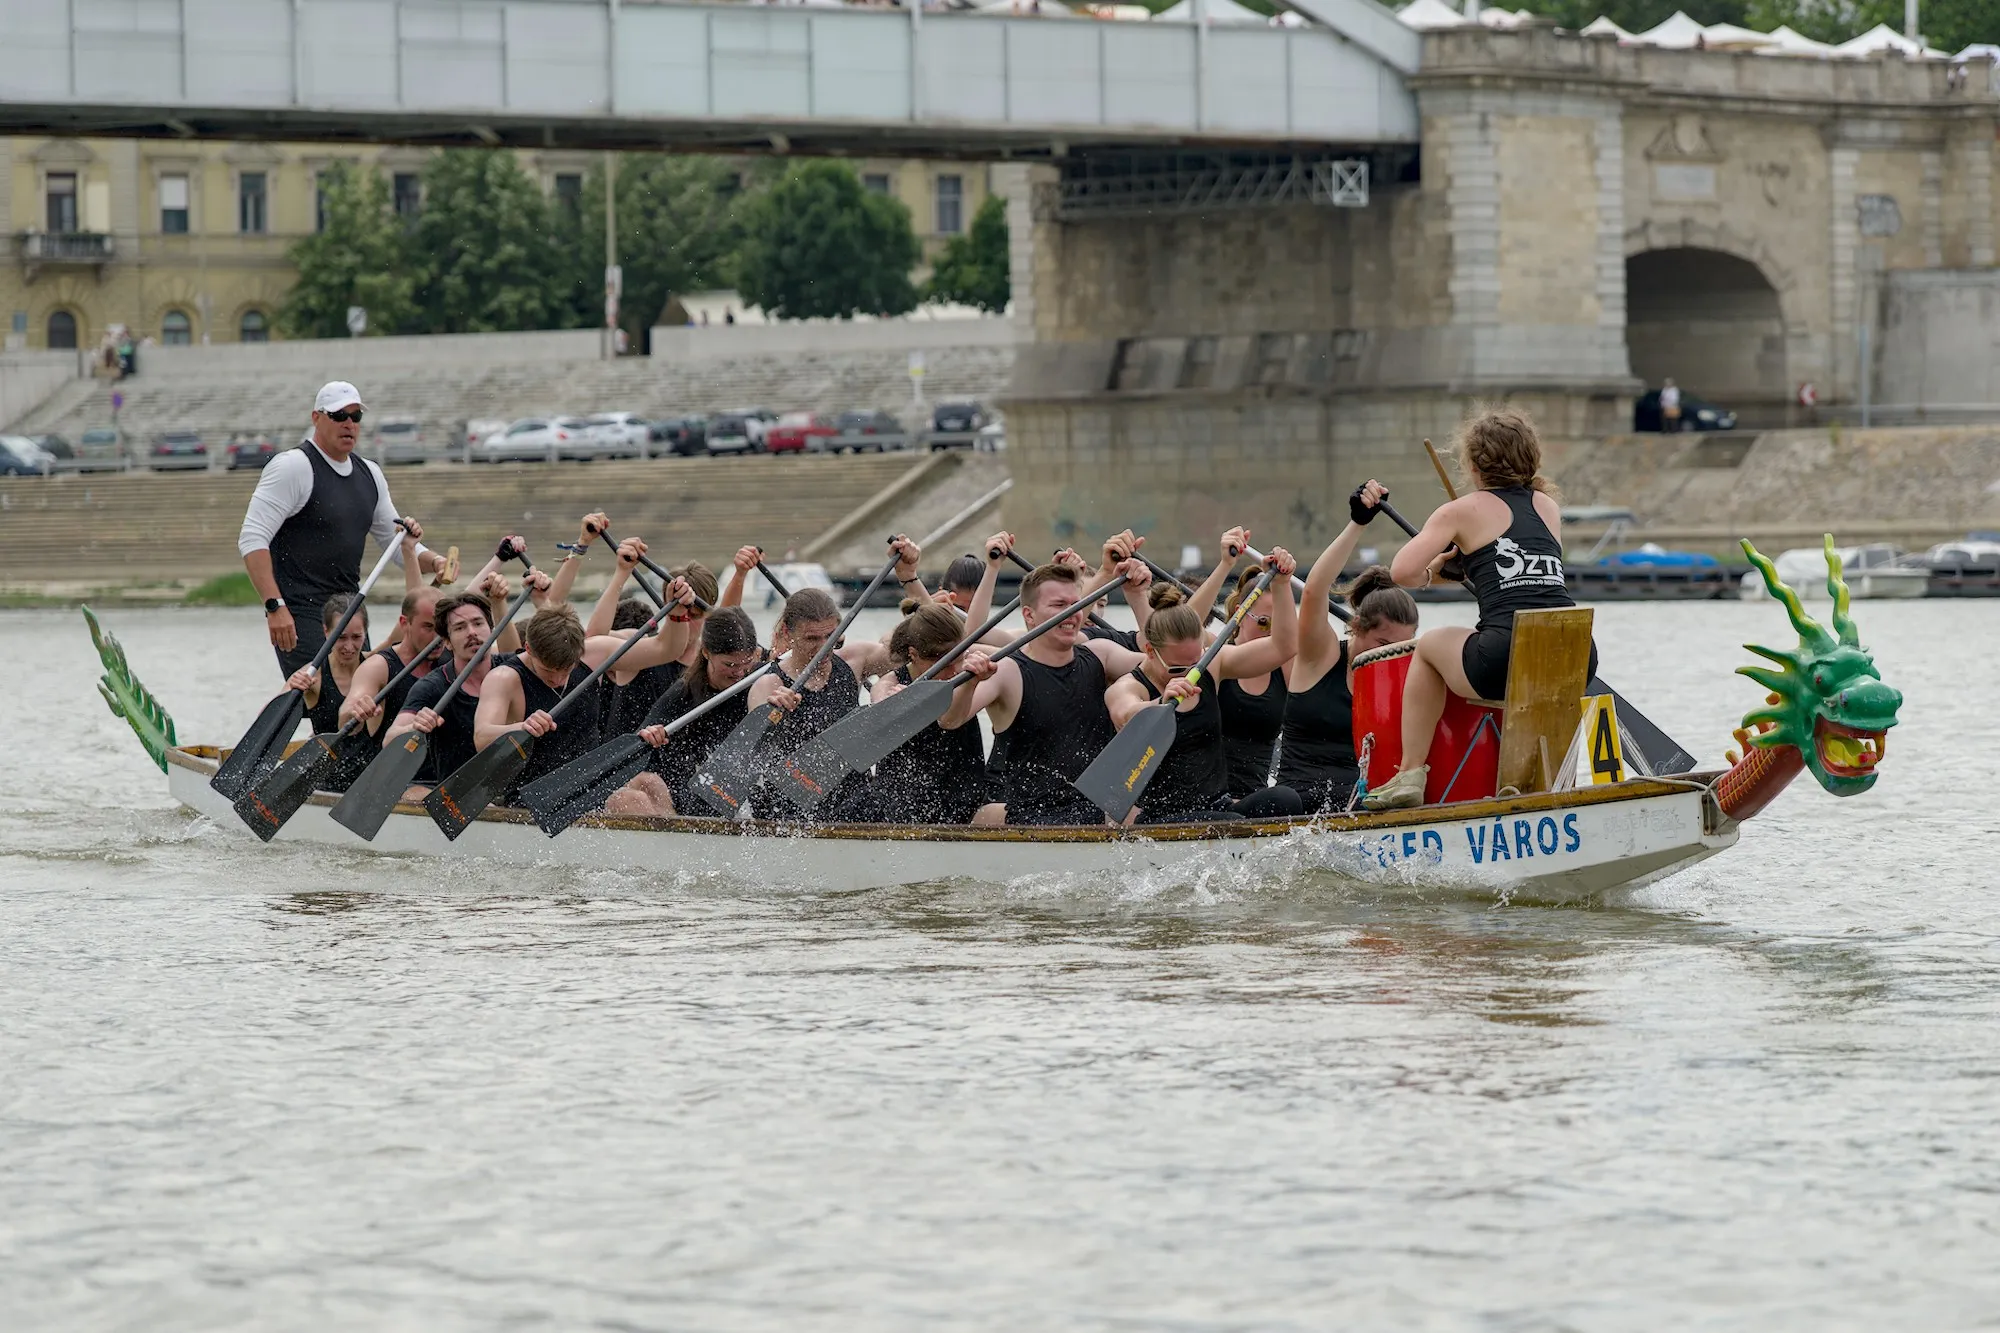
{"type": "Point", "coordinates": [205, 759]}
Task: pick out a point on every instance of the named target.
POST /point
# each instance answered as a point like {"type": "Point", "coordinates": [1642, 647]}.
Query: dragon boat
{"type": "Point", "coordinates": [1826, 713]}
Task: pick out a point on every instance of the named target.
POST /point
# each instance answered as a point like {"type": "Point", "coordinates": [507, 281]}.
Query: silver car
{"type": "Point", "coordinates": [618, 434]}
{"type": "Point", "coordinates": [530, 440]}
{"type": "Point", "coordinates": [400, 440]}
{"type": "Point", "coordinates": [100, 450]}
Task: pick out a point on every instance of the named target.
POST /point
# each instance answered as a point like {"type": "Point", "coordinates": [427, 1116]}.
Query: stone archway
{"type": "Point", "coordinates": [1709, 320]}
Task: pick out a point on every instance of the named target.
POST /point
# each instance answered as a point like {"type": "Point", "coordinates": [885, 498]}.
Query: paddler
{"type": "Point", "coordinates": [938, 776]}
{"type": "Point", "coordinates": [1510, 528]}
{"type": "Point", "coordinates": [726, 652]}
{"type": "Point", "coordinates": [309, 521]}
{"type": "Point", "coordinates": [467, 623]}
{"type": "Point", "coordinates": [1046, 702]}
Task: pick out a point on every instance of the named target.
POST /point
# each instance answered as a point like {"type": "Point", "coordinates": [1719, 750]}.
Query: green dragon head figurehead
{"type": "Point", "coordinates": [1830, 702]}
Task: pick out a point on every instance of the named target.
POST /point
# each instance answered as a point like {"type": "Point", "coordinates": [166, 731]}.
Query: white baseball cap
{"type": "Point", "coordinates": [336, 395]}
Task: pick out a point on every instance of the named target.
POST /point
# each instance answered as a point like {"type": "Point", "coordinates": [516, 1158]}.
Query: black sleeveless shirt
{"type": "Point", "coordinates": [1061, 727]}
{"type": "Point", "coordinates": [818, 709]}
{"type": "Point", "coordinates": [935, 777]}
{"type": "Point", "coordinates": [576, 730]}
{"type": "Point", "coordinates": [622, 709]}
{"type": "Point", "coordinates": [1316, 759]}
{"type": "Point", "coordinates": [1250, 726]}
{"type": "Point", "coordinates": [1521, 569]}
{"type": "Point", "coordinates": [316, 553]}
{"type": "Point", "coordinates": [393, 701]}
{"type": "Point", "coordinates": [1194, 775]}
{"type": "Point", "coordinates": [686, 750]}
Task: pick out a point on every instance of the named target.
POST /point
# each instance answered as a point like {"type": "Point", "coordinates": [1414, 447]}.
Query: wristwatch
{"type": "Point", "coordinates": [273, 605]}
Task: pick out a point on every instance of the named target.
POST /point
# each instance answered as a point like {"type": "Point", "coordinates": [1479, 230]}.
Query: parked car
{"type": "Point", "coordinates": [400, 440]}
{"type": "Point", "coordinates": [869, 432]}
{"type": "Point", "coordinates": [682, 436]}
{"type": "Point", "coordinates": [529, 440]}
{"type": "Point", "coordinates": [1971, 553]}
{"type": "Point", "coordinates": [620, 434]}
{"type": "Point", "coordinates": [798, 432]}
{"type": "Point", "coordinates": [992, 437]}
{"type": "Point", "coordinates": [178, 451]}
{"type": "Point", "coordinates": [757, 422]}
{"type": "Point", "coordinates": [55, 446]}
{"type": "Point", "coordinates": [476, 431]}
{"type": "Point", "coordinates": [251, 451]}
{"type": "Point", "coordinates": [956, 425]}
{"type": "Point", "coordinates": [22, 457]}
{"type": "Point", "coordinates": [730, 433]}
{"type": "Point", "coordinates": [100, 450]}
{"type": "Point", "coordinates": [1696, 413]}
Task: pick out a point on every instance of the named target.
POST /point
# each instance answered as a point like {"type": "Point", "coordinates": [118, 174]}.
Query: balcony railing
{"type": "Point", "coordinates": [66, 247]}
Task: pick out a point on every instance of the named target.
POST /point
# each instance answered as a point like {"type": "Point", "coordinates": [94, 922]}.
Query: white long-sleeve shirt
{"type": "Point", "coordinates": [286, 484]}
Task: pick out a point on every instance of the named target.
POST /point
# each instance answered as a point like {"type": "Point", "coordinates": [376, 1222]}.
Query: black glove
{"type": "Point", "coordinates": [1453, 568]}
{"type": "Point", "coordinates": [1361, 512]}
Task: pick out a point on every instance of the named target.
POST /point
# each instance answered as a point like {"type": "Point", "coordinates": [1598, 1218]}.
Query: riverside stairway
{"type": "Point", "coordinates": [81, 533]}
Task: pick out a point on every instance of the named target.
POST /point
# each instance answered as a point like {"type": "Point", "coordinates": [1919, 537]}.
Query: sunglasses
{"type": "Point", "coordinates": [1178, 671]}
{"type": "Point", "coordinates": [345, 414]}
{"type": "Point", "coordinates": [1261, 622]}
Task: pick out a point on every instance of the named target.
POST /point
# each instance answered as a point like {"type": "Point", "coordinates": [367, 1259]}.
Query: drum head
{"type": "Point", "coordinates": [1385, 653]}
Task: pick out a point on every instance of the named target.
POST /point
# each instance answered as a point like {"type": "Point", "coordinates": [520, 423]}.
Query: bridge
{"type": "Point", "coordinates": [695, 77]}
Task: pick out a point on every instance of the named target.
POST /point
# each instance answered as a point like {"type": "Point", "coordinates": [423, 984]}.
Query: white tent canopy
{"type": "Point", "coordinates": [1679, 33]}
{"type": "Point", "coordinates": [1882, 38]}
{"type": "Point", "coordinates": [1787, 42]}
{"type": "Point", "coordinates": [1218, 11]}
{"type": "Point", "coordinates": [1604, 27]}
{"type": "Point", "coordinates": [1424, 15]}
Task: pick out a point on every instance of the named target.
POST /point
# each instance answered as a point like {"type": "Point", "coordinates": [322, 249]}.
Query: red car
{"type": "Point", "coordinates": [800, 432]}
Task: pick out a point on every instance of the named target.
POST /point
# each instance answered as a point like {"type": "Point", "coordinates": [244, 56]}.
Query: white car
{"type": "Point", "coordinates": [618, 434]}
{"type": "Point", "coordinates": [21, 456]}
{"type": "Point", "coordinates": [532, 440]}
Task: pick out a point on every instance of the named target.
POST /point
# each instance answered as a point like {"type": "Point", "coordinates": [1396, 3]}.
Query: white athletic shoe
{"type": "Point", "coordinates": [1400, 792]}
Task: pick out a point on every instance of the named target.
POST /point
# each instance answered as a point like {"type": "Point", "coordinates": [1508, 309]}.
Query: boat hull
{"type": "Point", "coordinates": [1560, 847]}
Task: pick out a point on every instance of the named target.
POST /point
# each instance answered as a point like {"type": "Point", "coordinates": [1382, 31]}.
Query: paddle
{"type": "Point", "coordinates": [770, 578]}
{"type": "Point", "coordinates": [1658, 752]}
{"type": "Point", "coordinates": [483, 779]}
{"type": "Point", "coordinates": [1160, 572]}
{"type": "Point", "coordinates": [873, 732]}
{"type": "Point", "coordinates": [278, 796]}
{"type": "Point", "coordinates": [860, 740]}
{"type": "Point", "coordinates": [1340, 612]}
{"type": "Point", "coordinates": [264, 744]}
{"type": "Point", "coordinates": [380, 787]}
{"type": "Point", "coordinates": [559, 799]}
{"type": "Point", "coordinates": [727, 777]}
{"type": "Point", "coordinates": [1118, 777]}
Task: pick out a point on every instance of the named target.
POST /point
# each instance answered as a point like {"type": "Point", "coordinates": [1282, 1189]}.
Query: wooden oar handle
{"type": "Point", "coordinates": [1444, 478]}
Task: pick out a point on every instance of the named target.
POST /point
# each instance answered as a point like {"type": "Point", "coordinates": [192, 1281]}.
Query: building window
{"type": "Point", "coordinates": [569, 194]}
{"type": "Point", "coordinates": [176, 329]}
{"type": "Point", "coordinates": [950, 205]}
{"type": "Point", "coordinates": [253, 213]}
{"type": "Point", "coordinates": [62, 331]}
{"type": "Point", "coordinates": [409, 192]}
{"type": "Point", "coordinates": [174, 205]}
{"type": "Point", "coordinates": [253, 327]}
{"type": "Point", "coordinates": [62, 201]}
{"type": "Point", "coordinates": [875, 182]}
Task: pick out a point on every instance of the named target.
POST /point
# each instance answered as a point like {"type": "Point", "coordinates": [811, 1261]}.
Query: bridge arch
{"type": "Point", "coordinates": [1710, 309]}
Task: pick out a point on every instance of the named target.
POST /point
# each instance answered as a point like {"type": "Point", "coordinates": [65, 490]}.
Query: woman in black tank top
{"type": "Point", "coordinates": [937, 776]}
{"type": "Point", "coordinates": [1510, 530]}
{"type": "Point", "coordinates": [1192, 781]}
{"type": "Point", "coordinates": [327, 690]}
{"type": "Point", "coordinates": [1317, 757]}
{"type": "Point", "coordinates": [1253, 708]}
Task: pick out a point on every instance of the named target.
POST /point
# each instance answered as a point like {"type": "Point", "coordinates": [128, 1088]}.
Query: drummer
{"type": "Point", "coordinates": [1511, 530]}
{"type": "Point", "coordinates": [1316, 757]}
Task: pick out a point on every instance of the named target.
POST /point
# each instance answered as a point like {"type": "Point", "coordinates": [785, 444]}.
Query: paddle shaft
{"type": "Point", "coordinates": [777, 586]}
{"type": "Point", "coordinates": [833, 639]}
{"type": "Point", "coordinates": [347, 727]}
{"type": "Point", "coordinates": [1041, 629]}
{"type": "Point", "coordinates": [1169, 576]}
{"type": "Point", "coordinates": [715, 701]}
{"type": "Point", "coordinates": [1444, 478]}
{"type": "Point", "coordinates": [1229, 627]}
{"type": "Point", "coordinates": [1095, 619]}
{"type": "Point", "coordinates": [354, 606]}
{"type": "Point", "coordinates": [667, 576]}
{"type": "Point", "coordinates": [1299, 585]}
{"type": "Point", "coordinates": [958, 649]}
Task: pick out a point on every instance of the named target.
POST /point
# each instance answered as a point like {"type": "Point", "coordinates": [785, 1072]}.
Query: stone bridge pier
{"type": "Point", "coordinates": [1581, 221]}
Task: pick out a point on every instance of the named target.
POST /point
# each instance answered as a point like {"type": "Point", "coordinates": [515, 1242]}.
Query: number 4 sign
{"type": "Point", "coordinates": [1601, 739]}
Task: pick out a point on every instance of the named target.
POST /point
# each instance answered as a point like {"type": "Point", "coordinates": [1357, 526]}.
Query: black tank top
{"type": "Point", "coordinates": [1317, 755]}
{"type": "Point", "coordinates": [317, 552]}
{"type": "Point", "coordinates": [392, 702]}
{"type": "Point", "coordinates": [818, 709]}
{"type": "Point", "coordinates": [451, 743]}
{"type": "Point", "coordinates": [622, 709]}
{"type": "Point", "coordinates": [1061, 727]}
{"type": "Point", "coordinates": [1250, 726]}
{"type": "Point", "coordinates": [576, 730]}
{"type": "Point", "coordinates": [325, 714]}
{"type": "Point", "coordinates": [684, 753]}
{"type": "Point", "coordinates": [1521, 569]}
{"type": "Point", "coordinates": [935, 777]}
{"type": "Point", "coordinates": [1195, 773]}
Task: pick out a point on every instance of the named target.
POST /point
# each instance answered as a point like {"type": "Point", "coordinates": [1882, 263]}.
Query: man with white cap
{"type": "Point", "coordinates": [309, 522]}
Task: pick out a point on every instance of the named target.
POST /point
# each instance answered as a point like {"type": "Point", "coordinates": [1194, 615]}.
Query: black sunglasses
{"type": "Point", "coordinates": [345, 414]}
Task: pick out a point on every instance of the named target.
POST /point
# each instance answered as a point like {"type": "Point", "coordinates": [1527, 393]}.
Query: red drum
{"type": "Point", "coordinates": [1465, 750]}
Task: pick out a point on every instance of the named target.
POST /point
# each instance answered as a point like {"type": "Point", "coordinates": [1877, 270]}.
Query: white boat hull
{"type": "Point", "coordinates": [1560, 847]}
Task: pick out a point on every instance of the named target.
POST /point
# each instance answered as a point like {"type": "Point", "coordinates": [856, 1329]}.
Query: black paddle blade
{"type": "Point", "coordinates": [726, 778]}
{"type": "Point", "coordinates": [811, 773]}
{"type": "Point", "coordinates": [280, 793]}
{"type": "Point", "coordinates": [261, 747]}
{"type": "Point", "coordinates": [381, 785]}
{"type": "Point", "coordinates": [1662, 754]}
{"type": "Point", "coordinates": [484, 779]}
{"type": "Point", "coordinates": [864, 737]}
{"type": "Point", "coordinates": [559, 799]}
{"type": "Point", "coordinates": [1117, 778]}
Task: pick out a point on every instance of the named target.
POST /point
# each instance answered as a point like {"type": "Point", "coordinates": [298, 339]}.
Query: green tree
{"type": "Point", "coordinates": [358, 259]}
{"type": "Point", "coordinates": [973, 268]}
{"type": "Point", "coordinates": [485, 255]}
{"type": "Point", "coordinates": [678, 230]}
{"type": "Point", "coordinates": [818, 245]}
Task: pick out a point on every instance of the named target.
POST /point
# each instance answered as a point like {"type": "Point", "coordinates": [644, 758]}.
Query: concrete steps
{"type": "Point", "coordinates": [144, 528]}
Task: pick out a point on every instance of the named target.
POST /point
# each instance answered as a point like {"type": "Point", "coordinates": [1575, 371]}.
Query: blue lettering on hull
{"type": "Point", "coordinates": [1499, 842]}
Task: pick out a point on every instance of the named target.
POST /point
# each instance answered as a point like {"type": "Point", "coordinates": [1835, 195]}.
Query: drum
{"type": "Point", "coordinates": [1465, 750]}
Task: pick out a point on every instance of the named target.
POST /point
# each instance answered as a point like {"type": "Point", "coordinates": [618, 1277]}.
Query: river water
{"type": "Point", "coordinates": [270, 1088]}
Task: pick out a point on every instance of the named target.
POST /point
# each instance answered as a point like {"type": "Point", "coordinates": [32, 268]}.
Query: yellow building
{"type": "Point", "coordinates": [186, 241]}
